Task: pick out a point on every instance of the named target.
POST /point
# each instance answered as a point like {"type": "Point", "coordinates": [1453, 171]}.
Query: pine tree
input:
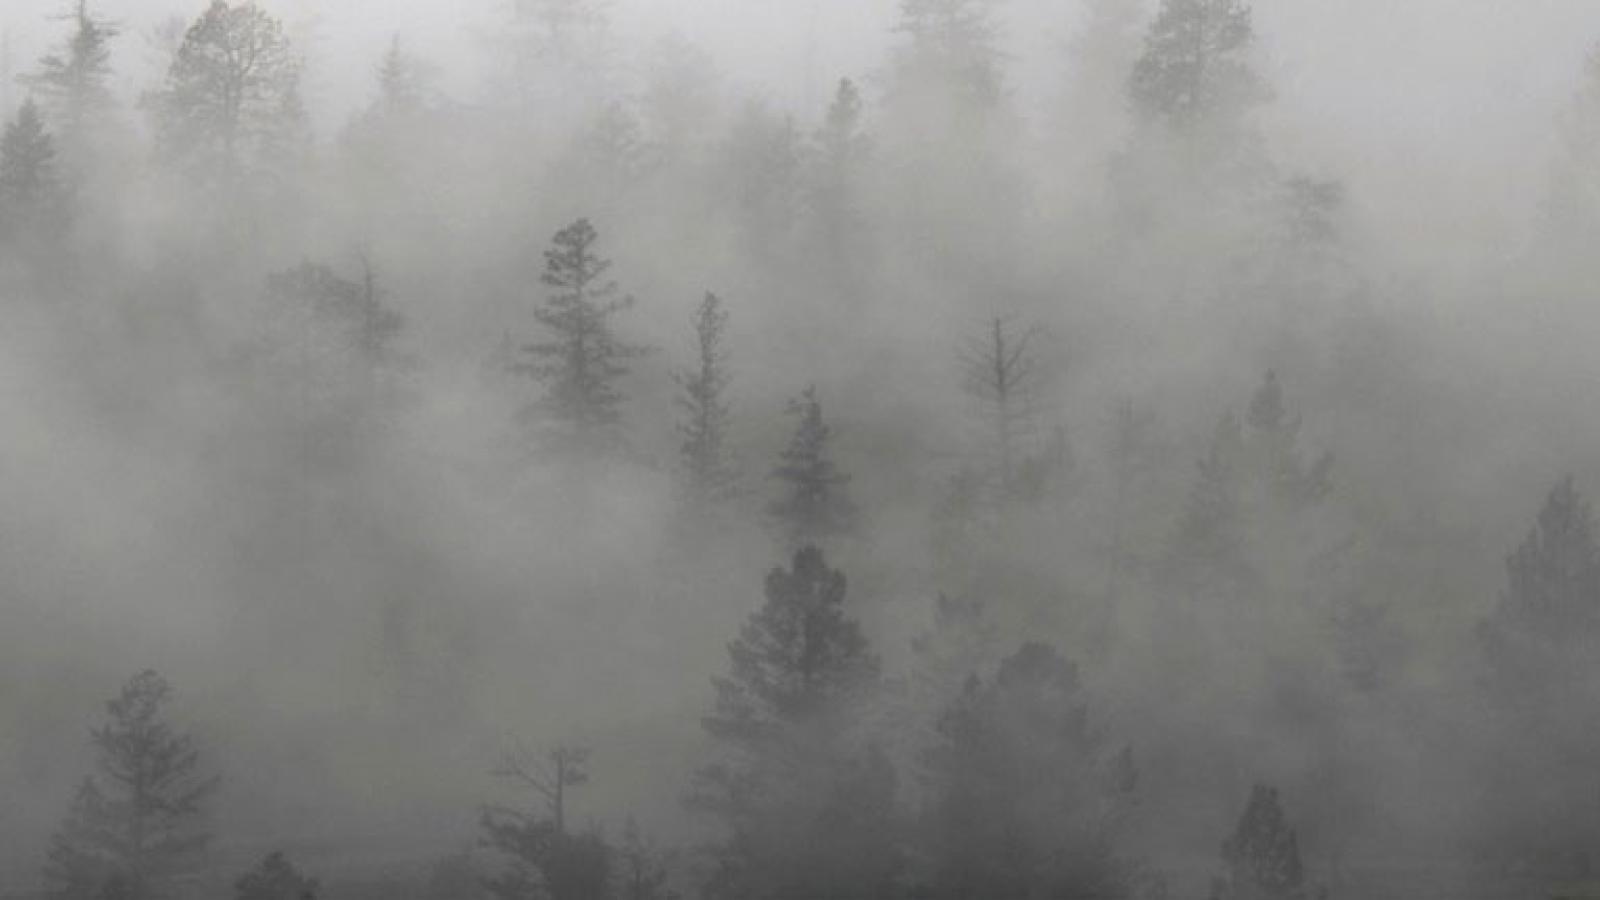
{"type": "Point", "coordinates": [230, 109]}
{"type": "Point", "coordinates": [1272, 453]}
{"type": "Point", "coordinates": [707, 461]}
{"type": "Point", "coordinates": [807, 813]}
{"type": "Point", "coordinates": [1195, 71]}
{"type": "Point", "coordinates": [135, 829]}
{"type": "Point", "coordinates": [1024, 793]}
{"type": "Point", "coordinates": [31, 202]}
{"type": "Point", "coordinates": [73, 82]}
{"type": "Point", "coordinates": [275, 878]}
{"type": "Point", "coordinates": [403, 83]}
{"type": "Point", "coordinates": [813, 506]}
{"type": "Point", "coordinates": [1551, 604]}
{"type": "Point", "coordinates": [582, 361]}
{"type": "Point", "coordinates": [1262, 858]}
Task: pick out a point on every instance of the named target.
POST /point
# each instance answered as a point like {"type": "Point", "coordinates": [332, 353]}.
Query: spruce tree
{"type": "Point", "coordinates": [708, 465]}
{"type": "Point", "coordinates": [813, 505]}
{"type": "Point", "coordinates": [1262, 858]}
{"type": "Point", "coordinates": [135, 829]}
{"type": "Point", "coordinates": [583, 359]}
{"type": "Point", "coordinates": [1000, 371]}
{"type": "Point", "coordinates": [806, 810]}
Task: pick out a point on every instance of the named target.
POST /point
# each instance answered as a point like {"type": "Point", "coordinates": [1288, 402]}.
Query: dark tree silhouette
{"type": "Point", "coordinates": [1262, 858]}
{"type": "Point", "coordinates": [1195, 72]}
{"type": "Point", "coordinates": [275, 878]}
{"type": "Point", "coordinates": [543, 859]}
{"type": "Point", "coordinates": [707, 462]}
{"type": "Point", "coordinates": [1001, 373]}
{"type": "Point", "coordinates": [136, 828]}
{"type": "Point", "coordinates": [813, 506]}
{"type": "Point", "coordinates": [1024, 793]}
{"type": "Point", "coordinates": [583, 360]}
{"type": "Point", "coordinates": [806, 814]}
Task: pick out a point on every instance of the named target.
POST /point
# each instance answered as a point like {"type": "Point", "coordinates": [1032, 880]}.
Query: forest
{"type": "Point", "coordinates": [573, 471]}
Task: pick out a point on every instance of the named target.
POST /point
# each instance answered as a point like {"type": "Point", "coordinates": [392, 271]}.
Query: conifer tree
{"type": "Point", "coordinates": [950, 55]}
{"type": "Point", "coordinates": [706, 459]}
{"type": "Point", "coordinates": [1025, 793]}
{"type": "Point", "coordinates": [839, 231]}
{"type": "Point", "coordinates": [1262, 858]}
{"type": "Point", "coordinates": [807, 812]}
{"type": "Point", "coordinates": [1195, 71]}
{"type": "Point", "coordinates": [230, 110]}
{"type": "Point", "coordinates": [813, 505]}
{"type": "Point", "coordinates": [583, 359]}
{"type": "Point", "coordinates": [136, 828]}
{"type": "Point", "coordinates": [73, 82]}
{"type": "Point", "coordinates": [31, 201]}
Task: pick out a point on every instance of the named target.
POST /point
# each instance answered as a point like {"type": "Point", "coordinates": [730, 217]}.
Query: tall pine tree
{"type": "Point", "coordinates": [583, 359]}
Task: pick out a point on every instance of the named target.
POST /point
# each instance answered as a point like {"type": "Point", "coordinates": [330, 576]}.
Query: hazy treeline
{"type": "Point", "coordinates": [613, 484]}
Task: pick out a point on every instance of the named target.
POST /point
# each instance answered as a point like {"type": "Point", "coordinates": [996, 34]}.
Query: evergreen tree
{"type": "Point", "coordinates": [761, 171]}
{"type": "Point", "coordinates": [403, 83]}
{"type": "Point", "coordinates": [1551, 604]}
{"type": "Point", "coordinates": [1024, 794]}
{"type": "Point", "coordinates": [1262, 858]}
{"type": "Point", "coordinates": [806, 811]}
{"type": "Point", "coordinates": [839, 231]}
{"type": "Point", "coordinates": [1195, 71]}
{"type": "Point", "coordinates": [707, 461]}
{"type": "Point", "coordinates": [230, 109]}
{"type": "Point", "coordinates": [275, 878]}
{"type": "Point", "coordinates": [134, 830]}
{"type": "Point", "coordinates": [73, 81]}
{"type": "Point", "coordinates": [1207, 552]}
{"type": "Point", "coordinates": [582, 361]}
{"type": "Point", "coordinates": [813, 505]}
{"type": "Point", "coordinates": [31, 202]}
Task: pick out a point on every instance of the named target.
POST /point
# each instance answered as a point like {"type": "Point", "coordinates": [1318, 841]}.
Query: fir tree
{"type": "Point", "coordinates": [135, 829]}
{"type": "Point", "coordinates": [1262, 858]}
{"type": "Point", "coordinates": [706, 459]}
{"type": "Point", "coordinates": [31, 202]}
{"type": "Point", "coordinates": [813, 506]}
{"type": "Point", "coordinates": [839, 230]}
{"type": "Point", "coordinates": [950, 55]}
{"type": "Point", "coordinates": [275, 878]}
{"type": "Point", "coordinates": [583, 360]}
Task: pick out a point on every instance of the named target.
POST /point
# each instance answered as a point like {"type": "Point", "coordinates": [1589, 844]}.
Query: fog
{"type": "Point", "coordinates": [757, 449]}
